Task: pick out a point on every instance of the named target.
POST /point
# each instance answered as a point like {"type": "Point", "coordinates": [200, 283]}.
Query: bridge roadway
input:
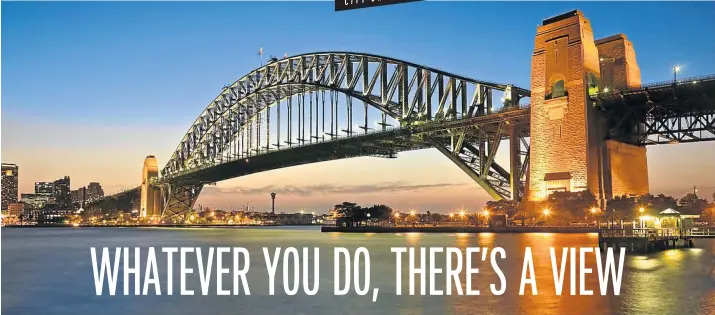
{"type": "Point", "coordinates": [384, 143]}
{"type": "Point", "coordinates": [657, 113]}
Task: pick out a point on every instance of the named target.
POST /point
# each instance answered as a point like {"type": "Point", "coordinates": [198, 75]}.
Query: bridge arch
{"type": "Point", "coordinates": [406, 92]}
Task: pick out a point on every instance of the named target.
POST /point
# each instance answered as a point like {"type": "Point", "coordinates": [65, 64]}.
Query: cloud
{"type": "Point", "coordinates": [325, 189]}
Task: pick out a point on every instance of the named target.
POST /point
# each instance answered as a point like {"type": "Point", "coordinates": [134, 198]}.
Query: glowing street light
{"type": "Point", "coordinates": [486, 212]}
{"type": "Point", "coordinates": [546, 211]}
{"type": "Point", "coordinates": [594, 210]}
{"type": "Point", "coordinates": [641, 209]}
{"type": "Point", "coordinates": [676, 69]}
{"type": "Point", "coordinates": [462, 213]}
{"type": "Point", "coordinates": [397, 215]}
{"type": "Point", "coordinates": [451, 215]}
{"type": "Point", "coordinates": [412, 213]}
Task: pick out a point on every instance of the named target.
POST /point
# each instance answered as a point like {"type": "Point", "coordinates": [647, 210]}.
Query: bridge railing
{"type": "Point", "coordinates": [702, 232]}
{"type": "Point", "coordinates": [657, 85]}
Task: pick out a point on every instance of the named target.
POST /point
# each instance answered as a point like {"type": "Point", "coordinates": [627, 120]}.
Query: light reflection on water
{"type": "Point", "coordinates": [48, 271]}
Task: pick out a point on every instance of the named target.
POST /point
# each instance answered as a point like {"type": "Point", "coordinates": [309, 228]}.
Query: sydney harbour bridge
{"type": "Point", "coordinates": [589, 105]}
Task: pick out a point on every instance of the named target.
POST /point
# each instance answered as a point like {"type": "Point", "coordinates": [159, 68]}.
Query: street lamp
{"type": "Point", "coordinates": [593, 214]}
{"type": "Point", "coordinates": [546, 213]}
{"type": "Point", "coordinates": [641, 210]}
{"type": "Point", "coordinates": [676, 69]}
{"type": "Point", "coordinates": [486, 216]}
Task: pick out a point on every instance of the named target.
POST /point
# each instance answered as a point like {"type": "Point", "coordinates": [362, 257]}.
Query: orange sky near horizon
{"type": "Point", "coordinates": [422, 179]}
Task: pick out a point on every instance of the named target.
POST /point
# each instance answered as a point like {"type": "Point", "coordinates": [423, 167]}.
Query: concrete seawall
{"type": "Point", "coordinates": [457, 229]}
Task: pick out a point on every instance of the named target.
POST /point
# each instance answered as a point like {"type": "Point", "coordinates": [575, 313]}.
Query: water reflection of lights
{"type": "Point", "coordinates": [369, 234]}
{"type": "Point", "coordinates": [644, 263]}
{"type": "Point", "coordinates": [549, 235]}
{"type": "Point", "coordinates": [461, 235]}
{"type": "Point", "coordinates": [674, 255]}
{"type": "Point", "coordinates": [413, 234]}
{"type": "Point", "coordinates": [486, 235]}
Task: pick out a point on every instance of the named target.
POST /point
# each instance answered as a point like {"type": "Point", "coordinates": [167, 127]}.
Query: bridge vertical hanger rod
{"type": "Point", "coordinates": [514, 167]}
{"type": "Point", "coordinates": [322, 96]}
{"type": "Point", "coordinates": [250, 129]}
{"type": "Point", "coordinates": [301, 115]}
{"type": "Point", "coordinates": [310, 118]}
{"type": "Point", "coordinates": [429, 91]}
{"type": "Point", "coordinates": [337, 121]}
{"type": "Point", "coordinates": [290, 116]}
{"type": "Point", "coordinates": [366, 124]}
{"type": "Point", "coordinates": [317, 135]}
{"type": "Point", "coordinates": [268, 128]}
{"type": "Point", "coordinates": [258, 133]}
{"type": "Point", "coordinates": [278, 126]}
{"type": "Point", "coordinates": [349, 102]}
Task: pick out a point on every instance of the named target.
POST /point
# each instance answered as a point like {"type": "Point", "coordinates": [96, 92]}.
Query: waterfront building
{"type": "Point", "coordinates": [294, 219]}
{"type": "Point", "coordinates": [9, 184]}
{"type": "Point", "coordinates": [62, 193]}
{"type": "Point", "coordinates": [15, 209]}
{"type": "Point", "coordinates": [45, 188]}
{"type": "Point", "coordinates": [94, 192]}
{"type": "Point", "coordinates": [36, 201]}
{"type": "Point", "coordinates": [79, 196]}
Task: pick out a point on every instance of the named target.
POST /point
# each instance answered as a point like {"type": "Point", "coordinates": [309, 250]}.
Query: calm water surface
{"type": "Point", "coordinates": [49, 271]}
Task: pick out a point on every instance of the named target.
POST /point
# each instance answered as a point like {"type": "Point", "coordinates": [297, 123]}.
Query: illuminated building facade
{"type": "Point", "coordinates": [568, 150]}
{"type": "Point", "coordinates": [150, 205]}
{"type": "Point", "coordinates": [62, 194]}
{"type": "Point", "coordinates": [9, 184]}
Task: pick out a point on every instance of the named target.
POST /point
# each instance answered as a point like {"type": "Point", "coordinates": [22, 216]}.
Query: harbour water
{"type": "Point", "coordinates": [49, 271]}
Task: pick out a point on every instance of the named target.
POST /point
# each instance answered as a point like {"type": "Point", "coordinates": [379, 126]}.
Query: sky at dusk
{"type": "Point", "coordinates": [90, 89]}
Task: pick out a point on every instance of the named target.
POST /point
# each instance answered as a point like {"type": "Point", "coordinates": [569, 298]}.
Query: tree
{"type": "Point", "coordinates": [708, 214]}
{"type": "Point", "coordinates": [508, 207]}
{"type": "Point", "coordinates": [568, 206]}
{"type": "Point", "coordinates": [380, 212]}
{"type": "Point", "coordinates": [621, 207]}
{"type": "Point", "coordinates": [692, 204]}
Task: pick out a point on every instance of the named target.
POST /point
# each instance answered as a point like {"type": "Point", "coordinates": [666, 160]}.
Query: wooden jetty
{"type": "Point", "coordinates": [645, 240]}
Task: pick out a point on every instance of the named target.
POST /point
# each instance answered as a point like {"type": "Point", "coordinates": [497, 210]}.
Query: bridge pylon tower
{"type": "Point", "coordinates": [151, 202]}
{"type": "Point", "coordinates": [569, 146]}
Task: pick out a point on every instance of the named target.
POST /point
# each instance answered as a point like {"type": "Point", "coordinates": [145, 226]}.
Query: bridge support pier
{"type": "Point", "coordinates": [150, 205]}
{"type": "Point", "coordinates": [569, 150]}
{"type": "Point", "coordinates": [178, 199]}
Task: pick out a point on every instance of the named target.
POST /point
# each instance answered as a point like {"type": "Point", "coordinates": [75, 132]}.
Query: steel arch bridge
{"type": "Point", "coordinates": [316, 107]}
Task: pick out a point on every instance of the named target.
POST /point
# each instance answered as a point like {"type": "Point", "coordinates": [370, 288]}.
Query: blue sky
{"type": "Point", "coordinates": [89, 89]}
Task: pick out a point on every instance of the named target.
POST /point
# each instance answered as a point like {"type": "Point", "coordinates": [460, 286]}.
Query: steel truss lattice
{"type": "Point", "coordinates": [240, 123]}
{"type": "Point", "coordinates": [669, 112]}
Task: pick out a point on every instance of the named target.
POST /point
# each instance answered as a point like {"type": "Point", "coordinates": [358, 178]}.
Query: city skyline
{"type": "Point", "coordinates": [138, 117]}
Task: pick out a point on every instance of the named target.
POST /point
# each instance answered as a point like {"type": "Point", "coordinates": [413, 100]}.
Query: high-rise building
{"type": "Point", "coordinates": [62, 193]}
{"type": "Point", "coordinates": [94, 192]}
{"type": "Point", "coordinates": [79, 196]}
{"type": "Point", "coordinates": [9, 184]}
{"type": "Point", "coordinates": [44, 188]}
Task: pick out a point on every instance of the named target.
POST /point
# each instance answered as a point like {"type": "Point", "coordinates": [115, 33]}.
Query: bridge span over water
{"type": "Point", "coordinates": [584, 123]}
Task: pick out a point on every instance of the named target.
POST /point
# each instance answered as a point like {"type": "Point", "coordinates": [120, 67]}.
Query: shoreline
{"type": "Point", "coordinates": [457, 229]}
{"type": "Point", "coordinates": [154, 226]}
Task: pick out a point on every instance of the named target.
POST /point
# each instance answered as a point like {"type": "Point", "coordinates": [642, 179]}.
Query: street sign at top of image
{"type": "Point", "coordinates": [342, 5]}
